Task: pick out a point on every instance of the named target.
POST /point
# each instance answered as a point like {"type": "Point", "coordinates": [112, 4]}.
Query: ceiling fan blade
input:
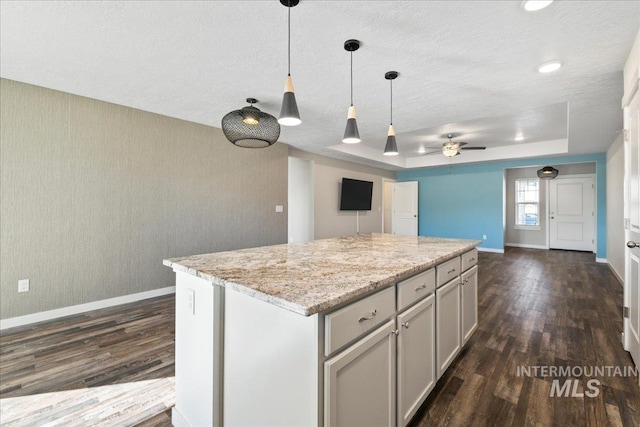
{"type": "Point", "coordinates": [473, 148]}
{"type": "Point", "coordinates": [432, 152]}
{"type": "Point", "coordinates": [460, 144]}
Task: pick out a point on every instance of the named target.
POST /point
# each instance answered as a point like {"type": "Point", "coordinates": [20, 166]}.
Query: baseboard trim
{"type": "Point", "coordinates": [42, 316]}
{"type": "Point", "coordinates": [522, 245]}
{"type": "Point", "coordinates": [497, 251]}
{"type": "Point", "coordinates": [615, 273]}
{"type": "Point", "coordinates": [602, 260]}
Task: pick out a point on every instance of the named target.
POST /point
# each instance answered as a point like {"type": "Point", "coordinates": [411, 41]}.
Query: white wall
{"type": "Point", "coordinates": [329, 221]}
{"type": "Point", "coordinates": [615, 206]}
{"type": "Point", "coordinates": [388, 206]}
{"type": "Point", "coordinates": [300, 202]}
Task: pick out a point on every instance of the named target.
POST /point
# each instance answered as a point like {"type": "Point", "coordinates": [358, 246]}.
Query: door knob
{"type": "Point", "coordinates": [631, 244]}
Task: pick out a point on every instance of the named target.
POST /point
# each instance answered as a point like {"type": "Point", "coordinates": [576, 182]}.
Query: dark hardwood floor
{"type": "Point", "coordinates": [536, 308]}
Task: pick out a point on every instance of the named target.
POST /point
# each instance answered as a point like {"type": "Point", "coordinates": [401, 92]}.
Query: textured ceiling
{"type": "Point", "coordinates": [465, 67]}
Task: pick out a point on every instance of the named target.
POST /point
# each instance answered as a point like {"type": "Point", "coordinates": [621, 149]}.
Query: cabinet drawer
{"type": "Point", "coordinates": [469, 259]}
{"type": "Point", "coordinates": [348, 323]}
{"type": "Point", "coordinates": [416, 288]}
{"type": "Point", "coordinates": [447, 270]}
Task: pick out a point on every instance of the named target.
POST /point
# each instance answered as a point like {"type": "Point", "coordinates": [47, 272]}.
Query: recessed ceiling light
{"type": "Point", "coordinates": [519, 138]}
{"type": "Point", "coordinates": [533, 5]}
{"type": "Point", "coordinates": [421, 150]}
{"type": "Point", "coordinates": [549, 67]}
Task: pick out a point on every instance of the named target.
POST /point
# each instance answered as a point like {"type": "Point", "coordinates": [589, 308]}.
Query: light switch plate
{"type": "Point", "coordinates": [23, 285]}
{"type": "Point", "coordinates": [279, 208]}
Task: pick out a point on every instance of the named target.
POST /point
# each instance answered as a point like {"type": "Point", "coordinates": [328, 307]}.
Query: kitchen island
{"type": "Point", "coordinates": [313, 333]}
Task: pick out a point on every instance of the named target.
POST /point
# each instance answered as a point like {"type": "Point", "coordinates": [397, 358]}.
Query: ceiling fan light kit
{"type": "Point", "coordinates": [391, 147]}
{"type": "Point", "coordinates": [249, 127]}
{"type": "Point", "coordinates": [289, 114]}
{"type": "Point", "coordinates": [547, 172]}
{"type": "Point", "coordinates": [351, 134]}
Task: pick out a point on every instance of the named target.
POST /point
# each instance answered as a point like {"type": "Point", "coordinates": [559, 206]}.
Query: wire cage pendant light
{"type": "Point", "coordinates": [289, 114]}
{"type": "Point", "coordinates": [351, 134]}
{"type": "Point", "coordinates": [391, 148]}
{"type": "Point", "coordinates": [249, 127]}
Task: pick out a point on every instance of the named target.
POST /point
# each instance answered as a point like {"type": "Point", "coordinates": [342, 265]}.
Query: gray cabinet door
{"type": "Point", "coordinates": [469, 300]}
{"type": "Point", "coordinates": [360, 382]}
{"type": "Point", "coordinates": [448, 340]}
{"type": "Point", "coordinates": [416, 358]}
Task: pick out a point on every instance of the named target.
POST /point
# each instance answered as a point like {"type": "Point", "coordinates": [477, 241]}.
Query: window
{"type": "Point", "coordinates": [527, 202]}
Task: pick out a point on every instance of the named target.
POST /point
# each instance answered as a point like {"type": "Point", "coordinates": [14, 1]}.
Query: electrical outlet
{"type": "Point", "coordinates": [484, 237]}
{"type": "Point", "coordinates": [23, 285]}
{"type": "Point", "coordinates": [279, 208]}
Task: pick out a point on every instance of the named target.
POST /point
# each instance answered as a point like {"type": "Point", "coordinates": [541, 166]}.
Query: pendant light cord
{"type": "Point", "coordinates": [391, 81]}
{"type": "Point", "coordinates": [289, 40]}
{"type": "Point", "coordinates": [352, 78]}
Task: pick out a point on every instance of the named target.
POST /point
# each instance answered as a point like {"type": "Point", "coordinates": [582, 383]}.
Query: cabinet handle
{"type": "Point", "coordinates": [406, 325]}
{"type": "Point", "coordinates": [451, 271]}
{"type": "Point", "coordinates": [368, 316]}
{"type": "Point", "coordinates": [472, 259]}
{"type": "Point", "coordinates": [466, 280]}
{"type": "Point", "coordinates": [395, 332]}
{"type": "Point", "coordinates": [419, 288]}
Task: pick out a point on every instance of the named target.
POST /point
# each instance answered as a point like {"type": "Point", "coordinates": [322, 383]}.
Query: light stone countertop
{"type": "Point", "coordinates": [313, 277]}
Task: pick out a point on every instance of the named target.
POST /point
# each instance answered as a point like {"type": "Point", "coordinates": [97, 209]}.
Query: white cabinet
{"type": "Point", "coordinates": [448, 340]}
{"type": "Point", "coordinates": [416, 358]}
{"type": "Point", "coordinates": [360, 382]}
{"type": "Point", "coordinates": [469, 301]}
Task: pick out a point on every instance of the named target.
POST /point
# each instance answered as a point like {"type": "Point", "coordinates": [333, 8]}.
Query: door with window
{"type": "Point", "coordinates": [572, 213]}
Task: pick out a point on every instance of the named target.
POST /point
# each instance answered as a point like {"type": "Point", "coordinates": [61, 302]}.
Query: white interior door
{"type": "Point", "coordinates": [632, 230]}
{"type": "Point", "coordinates": [572, 214]}
{"type": "Point", "coordinates": [405, 208]}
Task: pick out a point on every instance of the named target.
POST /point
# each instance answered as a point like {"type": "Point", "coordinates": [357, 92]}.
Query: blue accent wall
{"type": "Point", "coordinates": [467, 201]}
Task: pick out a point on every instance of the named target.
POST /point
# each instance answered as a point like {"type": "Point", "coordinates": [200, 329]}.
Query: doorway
{"type": "Point", "coordinates": [400, 207]}
{"type": "Point", "coordinates": [572, 213]}
{"type": "Point", "coordinates": [631, 320]}
{"type": "Point", "coordinates": [405, 208]}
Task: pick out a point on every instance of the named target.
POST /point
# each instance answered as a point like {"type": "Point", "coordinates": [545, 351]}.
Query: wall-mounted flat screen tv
{"type": "Point", "coordinates": [356, 195]}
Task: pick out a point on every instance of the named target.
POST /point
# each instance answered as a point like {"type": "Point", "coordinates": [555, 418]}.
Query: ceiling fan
{"type": "Point", "coordinates": [452, 148]}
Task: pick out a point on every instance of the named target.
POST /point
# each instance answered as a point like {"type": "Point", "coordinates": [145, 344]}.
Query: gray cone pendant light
{"type": "Point", "coordinates": [391, 148]}
{"type": "Point", "coordinates": [289, 115]}
{"type": "Point", "coordinates": [249, 127]}
{"type": "Point", "coordinates": [351, 134]}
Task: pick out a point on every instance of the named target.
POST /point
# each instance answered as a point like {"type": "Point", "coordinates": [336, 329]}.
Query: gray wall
{"type": "Point", "coordinates": [94, 195]}
{"type": "Point", "coordinates": [329, 221]}
{"type": "Point", "coordinates": [615, 207]}
{"type": "Point", "coordinates": [534, 238]}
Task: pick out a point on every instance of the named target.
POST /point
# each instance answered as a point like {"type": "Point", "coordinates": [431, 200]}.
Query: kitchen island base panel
{"type": "Point", "coordinates": [270, 364]}
{"type": "Point", "coordinates": [199, 341]}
